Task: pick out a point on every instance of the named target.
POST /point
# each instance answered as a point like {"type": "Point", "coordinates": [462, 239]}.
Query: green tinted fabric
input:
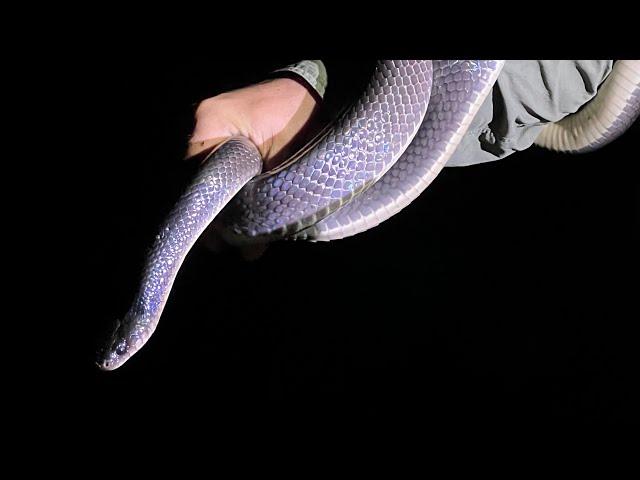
{"type": "Point", "coordinates": [312, 71]}
{"type": "Point", "coordinates": [527, 95]}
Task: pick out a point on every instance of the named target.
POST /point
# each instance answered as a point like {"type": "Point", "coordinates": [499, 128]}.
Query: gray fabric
{"type": "Point", "coordinates": [313, 71]}
{"type": "Point", "coordinates": [528, 95]}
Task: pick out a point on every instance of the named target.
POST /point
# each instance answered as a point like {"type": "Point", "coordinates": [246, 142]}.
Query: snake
{"type": "Point", "coordinates": [376, 158]}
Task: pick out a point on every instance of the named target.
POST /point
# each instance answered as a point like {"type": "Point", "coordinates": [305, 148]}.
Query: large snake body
{"type": "Point", "coordinates": [374, 160]}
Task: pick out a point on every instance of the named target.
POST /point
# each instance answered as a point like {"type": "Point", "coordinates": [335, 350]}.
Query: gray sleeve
{"type": "Point", "coordinates": [313, 71]}
{"type": "Point", "coordinates": [527, 95]}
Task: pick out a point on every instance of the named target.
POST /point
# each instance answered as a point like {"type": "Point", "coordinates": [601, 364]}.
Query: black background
{"type": "Point", "coordinates": [501, 295]}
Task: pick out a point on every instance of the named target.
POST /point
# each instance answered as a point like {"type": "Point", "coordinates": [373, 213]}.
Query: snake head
{"type": "Point", "coordinates": [123, 342]}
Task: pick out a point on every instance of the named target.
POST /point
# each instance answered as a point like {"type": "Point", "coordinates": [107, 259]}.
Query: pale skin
{"type": "Point", "coordinates": [275, 115]}
{"type": "Point", "coordinates": [271, 114]}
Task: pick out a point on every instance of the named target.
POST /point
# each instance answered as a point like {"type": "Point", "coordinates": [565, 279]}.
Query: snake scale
{"type": "Point", "coordinates": [373, 161]}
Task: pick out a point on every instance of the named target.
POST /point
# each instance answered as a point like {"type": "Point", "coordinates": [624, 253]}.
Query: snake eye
{"type": "Point", "coordinates": [121, 348]}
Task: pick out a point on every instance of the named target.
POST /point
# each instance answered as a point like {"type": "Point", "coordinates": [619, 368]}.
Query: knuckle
{"type": "Point", "coordinates": [205, 106]}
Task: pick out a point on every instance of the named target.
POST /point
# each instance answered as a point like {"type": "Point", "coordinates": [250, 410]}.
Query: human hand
{"type": "Point", "coordinates": [274, 115]}
{"type": "Point", "coordinates": [277, 116]}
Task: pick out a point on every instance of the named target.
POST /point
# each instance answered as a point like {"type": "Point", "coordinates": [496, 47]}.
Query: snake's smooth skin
{"type": "Point", "coordinates": [373, 161]}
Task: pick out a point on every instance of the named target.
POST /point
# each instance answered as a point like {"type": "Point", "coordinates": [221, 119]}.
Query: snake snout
{"type": "Point", "coordinates": [117, 349]}
{"type": "Point", "coordinates": [115, 355]}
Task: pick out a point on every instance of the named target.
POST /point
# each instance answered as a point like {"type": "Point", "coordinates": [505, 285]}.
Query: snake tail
{"type": "Point", "coordinates": [603, 119]}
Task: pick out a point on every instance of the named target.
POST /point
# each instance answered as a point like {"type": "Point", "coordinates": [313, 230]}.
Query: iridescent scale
{"type": "Point", "coordinates": [358, 151]}
{"type": "Point", "coordinates": [374, 161]}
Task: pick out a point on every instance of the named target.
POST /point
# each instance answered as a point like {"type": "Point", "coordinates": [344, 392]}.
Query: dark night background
{"type": "Point", "coordinates": [500, 296]}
